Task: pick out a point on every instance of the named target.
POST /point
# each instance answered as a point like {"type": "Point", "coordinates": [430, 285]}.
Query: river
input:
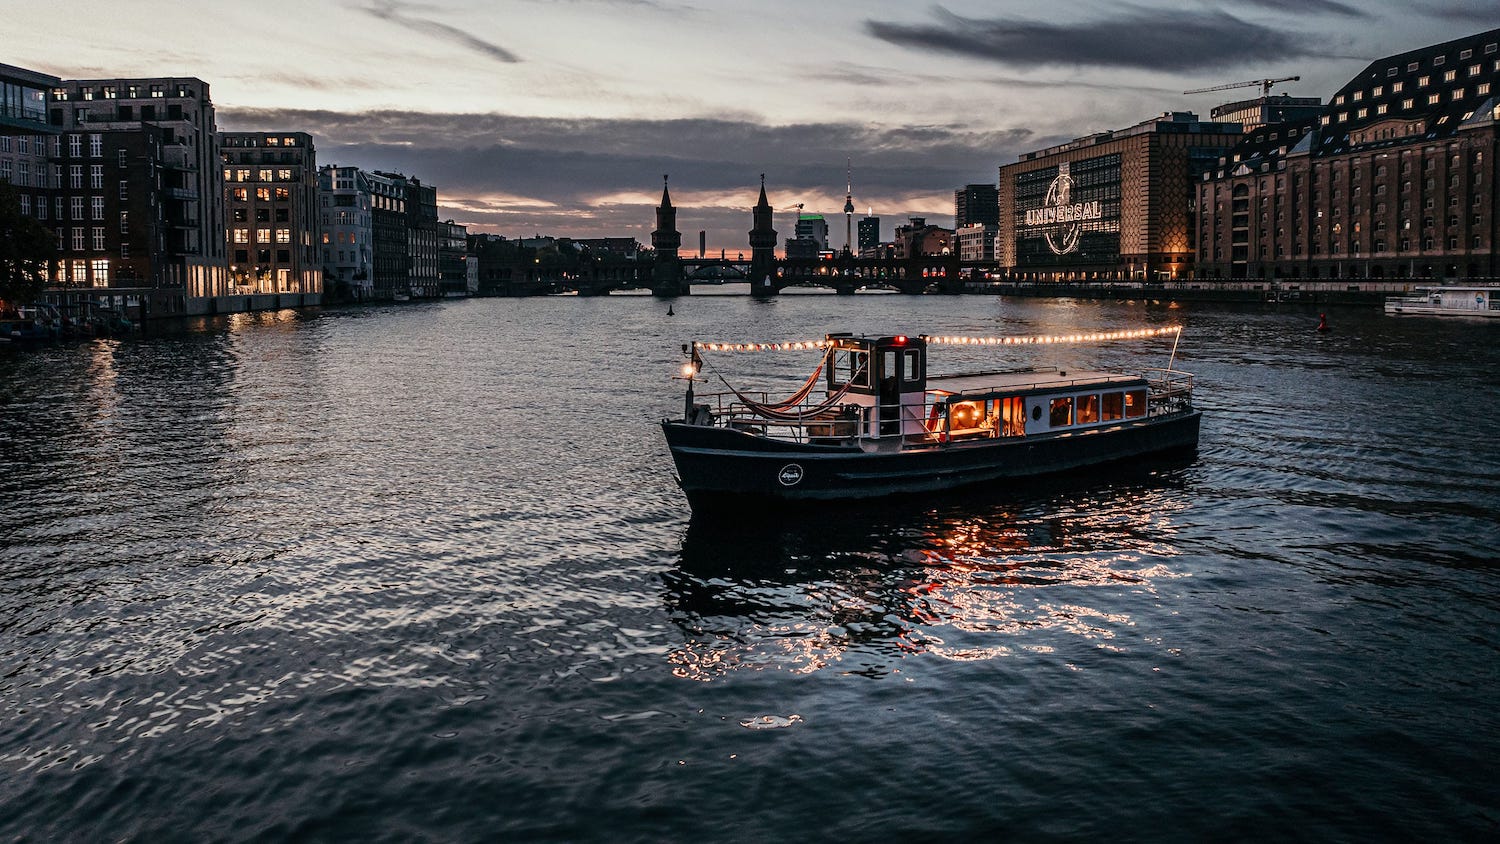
{"type": "Point", "coordinates": [423, 573]}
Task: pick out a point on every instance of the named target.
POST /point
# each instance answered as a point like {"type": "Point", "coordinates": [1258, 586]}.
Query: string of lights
{"type": "Point", "coordinates": [796, 345]}
{"type": "Point", "coordinates": [1049, 339]}
{"type": "Point", "coordinates": [948, 340]}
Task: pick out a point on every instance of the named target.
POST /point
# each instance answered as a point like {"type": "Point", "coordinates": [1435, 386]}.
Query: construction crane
{"type": "Point", "coordinates": [1265, 85]}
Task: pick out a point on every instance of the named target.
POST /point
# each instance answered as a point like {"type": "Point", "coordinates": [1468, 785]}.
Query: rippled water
{"type": "Point", "coordinates": [423, 572]}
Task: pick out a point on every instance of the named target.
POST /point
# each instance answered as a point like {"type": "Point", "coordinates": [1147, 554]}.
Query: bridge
{"type": "Point", "coordinates": [841, 273]}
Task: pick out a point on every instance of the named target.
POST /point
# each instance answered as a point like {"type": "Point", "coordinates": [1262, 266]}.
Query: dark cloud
{"type": "Point", "coordinates": [1302, 7]}
{"type": "Point", "coordinates": [394, 12]}
{"type": "Point", "coordinates": [853, 74]}
{"type": "Point", "coordinates": [561, 168]}
{"type": "Point", "coordinates": [1485, 12]}
{"type": "Point", "coordinates": [1150, 39]}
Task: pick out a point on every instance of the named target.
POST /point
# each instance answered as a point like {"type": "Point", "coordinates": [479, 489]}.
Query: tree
{"type": "Point", "coordinates": [26, 249]}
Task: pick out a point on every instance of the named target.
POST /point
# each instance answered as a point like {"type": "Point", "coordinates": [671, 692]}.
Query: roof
{"type": "Point", "coordinates": [1026, 380]}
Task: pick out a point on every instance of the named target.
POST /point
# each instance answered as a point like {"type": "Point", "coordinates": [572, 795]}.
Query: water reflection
{"type": "Point", "coordinates": [857, 589]}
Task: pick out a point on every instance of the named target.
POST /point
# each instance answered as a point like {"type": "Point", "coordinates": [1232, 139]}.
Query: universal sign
{"type": "Point", "coordinates": [1061, 216]}
{"type": "Point", "coordinates": [1078, 212]}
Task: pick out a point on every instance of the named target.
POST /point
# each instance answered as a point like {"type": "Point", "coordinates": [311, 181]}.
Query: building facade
{"type": "Point", "coordinates": [271, 202]}
{"type": "Point", "coordinates": [1115, 205]}
{"type": "Point", "coordinates": [1263, 111]}
{"type": "Point", "coordinates": [917, 238]}
{"type": "Point", "coordinates": [141, 192]}
{"type": "Point", "coordinates": [976, 242]}
{"type": "Point", "coordinates": [26, 139]}
{"type": "Point", "coordinates": [869, 235]}
{"type": "Point", "coordinates": [388, 244]}
{"type": "Point", "coordinates": [453, 252]}
{"type": "Point", "coordinates": [344, 199]}
{"type": "Point", "coordinates": [1394, 179]}
{"type": "Point", "coordinates": [976, 204]}
{"type": "Point", "coordinates": [423, 234]}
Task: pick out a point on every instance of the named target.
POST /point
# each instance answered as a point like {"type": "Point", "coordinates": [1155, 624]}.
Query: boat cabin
{"type": "Point", "coordinates": [888, 378]}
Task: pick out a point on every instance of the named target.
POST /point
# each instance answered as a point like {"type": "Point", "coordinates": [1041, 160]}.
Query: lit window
{"type": "Point", "coordinates": [1450, 76]}
{"type": "Point", "coordinates": [1088, 409]}
{"type": "Point", "coordinates": [1061, 413]}
{"type": "Point", "coordinates": [283, 235]}
{"type": "Point", "coordinates": [241, 235]}
{"type": "Point", "coordinates": [265, 175]}
{"type": "Point", "coordinates": [1396, 87]}
{"type": "Point", "coordinates": [101, 272]}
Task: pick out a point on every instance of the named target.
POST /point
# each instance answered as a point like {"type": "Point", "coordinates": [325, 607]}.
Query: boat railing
{"type": "Point", "coordinates": [802, 423]}
{"type": "Point", "coordinates": [1171, 391]}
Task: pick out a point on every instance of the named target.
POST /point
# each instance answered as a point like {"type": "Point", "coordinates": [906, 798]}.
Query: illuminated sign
{"type": "Point", "coordinates": [1062, 217]}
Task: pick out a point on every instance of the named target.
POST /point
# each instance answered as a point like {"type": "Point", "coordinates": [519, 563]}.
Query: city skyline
{"type": "Point", "coordinates": [559, 118]}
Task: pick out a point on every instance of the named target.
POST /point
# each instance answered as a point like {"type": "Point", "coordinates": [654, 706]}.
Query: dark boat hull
{"type": "Point", "coordinates": [716, 466]}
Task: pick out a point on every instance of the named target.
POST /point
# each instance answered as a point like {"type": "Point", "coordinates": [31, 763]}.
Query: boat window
{"type": "Point", "coordinates": [1088, 408]}
{"type": "Point", "coordinates": [852, 367]}
{"type": "Point", "coordinates": [1114, 406]}
{"type": "Point", "coordinates": [911, 366]}
{"type": "Point", "coordinates": [1012, 417]}
{"type": "Point", "coordinates": [967, 417]}
{"type": "Point", "coordinates": [888, 370]}
{"type": "Point", "coordinates": [1062, 412]}
{"type": "Point", "coordinates": [1135, 404]}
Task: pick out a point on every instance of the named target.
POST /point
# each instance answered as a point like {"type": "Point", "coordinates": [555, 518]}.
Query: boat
{"type": "Point", "coordinates": [884, 425]}
{"type": "Point", "coordinates": [1448, 300]}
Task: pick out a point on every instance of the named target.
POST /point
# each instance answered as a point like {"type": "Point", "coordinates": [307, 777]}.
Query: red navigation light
{"type": "Point", "coordinates": [900, 340]}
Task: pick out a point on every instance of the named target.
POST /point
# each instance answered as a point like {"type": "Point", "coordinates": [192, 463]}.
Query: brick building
{"type": "Point", "coordinates": [1394, 179]}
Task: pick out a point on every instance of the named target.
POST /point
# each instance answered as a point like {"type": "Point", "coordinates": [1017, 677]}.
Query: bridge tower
{"type": "Point", "coordinates": [762, 247]}
{"type": "Point", "coordinates": [666, 275]}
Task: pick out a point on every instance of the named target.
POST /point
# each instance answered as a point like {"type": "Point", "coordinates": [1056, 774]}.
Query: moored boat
{"type": "Point", "coordinates": [1448, 300]}
{"type": "Point", "coordinates": [884, 425]}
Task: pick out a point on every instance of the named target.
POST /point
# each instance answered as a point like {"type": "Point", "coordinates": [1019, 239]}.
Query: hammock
{"type": "Point", "coordinates": [796, 398]}
{"type": "Point", "coordinates": [777, 412]}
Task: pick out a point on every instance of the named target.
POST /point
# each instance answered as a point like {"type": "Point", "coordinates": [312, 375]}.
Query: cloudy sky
{"type": "Point", "coordinates": [560, 116]}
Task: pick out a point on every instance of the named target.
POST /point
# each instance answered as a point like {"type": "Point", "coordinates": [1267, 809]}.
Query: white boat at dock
{"type": "Point", "coordinates": [1448, 300]}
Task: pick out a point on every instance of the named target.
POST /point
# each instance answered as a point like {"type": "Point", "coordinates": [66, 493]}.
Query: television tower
{"type": "Point", "coordinates": [849, 209]}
